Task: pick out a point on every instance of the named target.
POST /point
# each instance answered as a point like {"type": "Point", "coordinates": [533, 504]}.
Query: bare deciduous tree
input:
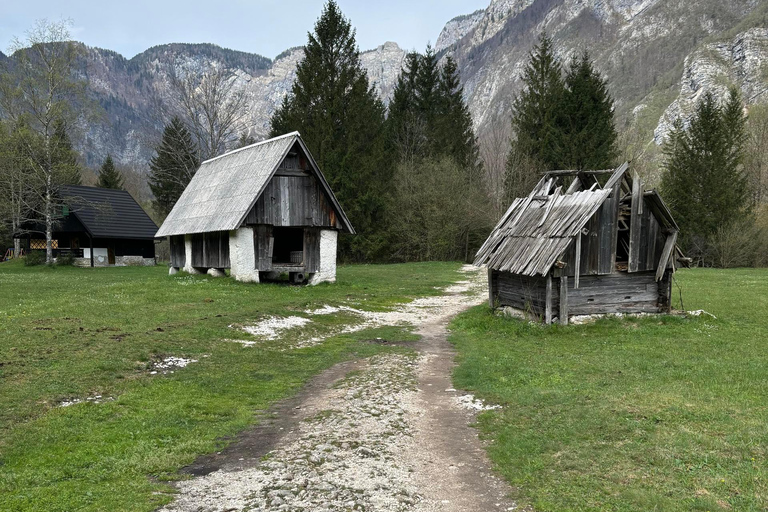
{"type": "Point", "coordinates": [494, 149]}
{"type": "Point", "coordinates": [38, 92]}
{"type": "Point", "coordinates": [212, 106]}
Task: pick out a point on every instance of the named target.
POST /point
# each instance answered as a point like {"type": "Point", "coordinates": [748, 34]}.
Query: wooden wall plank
{"type": "Point", "coordinates": [635, 227]}
{"type": "Point", "coordinates": [311, 250]}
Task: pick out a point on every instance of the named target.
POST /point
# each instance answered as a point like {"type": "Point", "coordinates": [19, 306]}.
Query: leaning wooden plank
{"type": "Point", "coordinates": [618, 174]}
{"type": "Point", "coordinates": [635, 224]}
{"type": "Point", "coordinates": [665, 255]}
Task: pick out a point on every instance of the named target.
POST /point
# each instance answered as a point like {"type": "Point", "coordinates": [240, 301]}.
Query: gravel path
{"type": "Point", "coordinates": [383, 434]}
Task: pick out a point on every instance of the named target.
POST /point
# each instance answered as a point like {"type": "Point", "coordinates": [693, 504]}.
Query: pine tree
{"type": "Point", "coordinates": [172, 168]}
{"type": "Point", "coordinates": [64, 157]}
{"type": "Point", "coordinates": [342, 121]}
{"type": "Point", "coordinates": [537, 111]}
{"type": "Point", "coordinates": [589, 135]}
{"type": "Point", "coordinates": [109, 176]}
{"type": "Point", "coordinates": [703, 180]}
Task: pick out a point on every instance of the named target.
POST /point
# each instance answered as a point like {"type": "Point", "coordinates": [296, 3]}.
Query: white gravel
{"type": "Point", "coordinates": [474, 404]}
{"type": "Point", "coordinates": [95, 399]}
{"type": "Point", "coordinates": [461, 295]}
{"type": "Point", "coordinates": [345, 457]}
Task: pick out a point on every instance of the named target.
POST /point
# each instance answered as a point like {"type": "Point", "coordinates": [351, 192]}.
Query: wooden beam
{"type": "Point", "coordinates": [577, 270]}
{"type": "Point", "coordinates": [635, 224]}
{"type": "Point", "coordinates": [564, 300]}
{"type": "Point", "coordinates": [665, 255]}
{"type": "Point", "coordinates": [548, 308]}
{"type": "Point", "coordinates": [490, 288]}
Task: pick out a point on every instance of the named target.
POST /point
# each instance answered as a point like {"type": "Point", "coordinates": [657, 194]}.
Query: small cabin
{"type": "Point", "coordinates": [260, 211]}
{"type": "Point", "coordinates": [583, 243]}
{"type": "Point", "coordinates": [98, 227]}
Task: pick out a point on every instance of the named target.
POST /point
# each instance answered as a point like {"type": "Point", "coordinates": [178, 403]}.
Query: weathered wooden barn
{"type": "Point", "coordinates": [582, 243]}
{"type": "Point", "coordinates": [99, 227]}
{"type": "Point", "coordinates": [259, 211]}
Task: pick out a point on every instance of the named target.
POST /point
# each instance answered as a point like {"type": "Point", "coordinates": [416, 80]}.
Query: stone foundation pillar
{"type": "Point", "coordinates": [242, 255]}
{"type": "Point", "coordinates": [188, 268]}
{"type": "Point", "coordinates": [326, 272]}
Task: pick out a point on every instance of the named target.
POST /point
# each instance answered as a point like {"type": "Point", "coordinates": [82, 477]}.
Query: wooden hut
{"type": "Point", "coordinates": [259, 211]}
{"type": "Point", "coordinates": [581, 243]}
{"type": "Point", "coordinates": [98, 227]}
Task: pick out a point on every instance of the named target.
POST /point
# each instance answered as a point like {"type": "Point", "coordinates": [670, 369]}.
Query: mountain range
{"type": "Point", "coordinates": [658, 55]}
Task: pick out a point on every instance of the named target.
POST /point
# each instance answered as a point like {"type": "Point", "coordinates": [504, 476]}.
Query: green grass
{"type": "Point", "coordinates": [70, 332]}
{"type": "Point", "coordinates": [655, 413]}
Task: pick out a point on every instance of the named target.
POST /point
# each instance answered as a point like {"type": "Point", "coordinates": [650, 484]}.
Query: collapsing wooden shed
{"type": "Point", "coordinates": [259, 211]}
{"type": "Point", "coordinates": [576, 247]}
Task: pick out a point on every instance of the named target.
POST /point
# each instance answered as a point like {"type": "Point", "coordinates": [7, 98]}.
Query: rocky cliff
{"type": "Point", "coordinates": [659, 57]}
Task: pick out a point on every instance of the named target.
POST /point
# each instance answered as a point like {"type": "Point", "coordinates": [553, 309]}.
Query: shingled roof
{"type": "Point", "coordinates": [225, 188]}
{"type": "Point", "coordinates": [536, 230]}
{"type": "Point", "coordinates": [108, 213]}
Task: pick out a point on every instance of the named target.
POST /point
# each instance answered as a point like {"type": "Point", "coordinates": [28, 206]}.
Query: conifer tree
{"type": "Point", "coordinates": [174, 165]}
{"type": "Point", "coordinates": [342, 121]}
{"type": "Point", "coordinates": [537, 111]}
{"type": "Point", "coordinates": [589, 135]}
{"type": "Point", "coordinates": [109, 176]}
{"type": "Point", "coordinates": [703, 180]}
{"type": "Point", "coordinates": [454, 132]}
{"type": "Point", "coordinates": [63, 156]}
{"type": "Point", "coordinates": [404, 126]}
{"type": "Point", "coordinates": [427, 89]}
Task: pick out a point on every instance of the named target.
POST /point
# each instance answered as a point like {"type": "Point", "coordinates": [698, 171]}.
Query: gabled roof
{"type": "Point", "coordinates": [107, 213]}
{"type": "Point", "coordinates": [225, 188]}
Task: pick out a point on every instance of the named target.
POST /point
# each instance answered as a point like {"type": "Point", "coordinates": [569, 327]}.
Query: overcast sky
{"type": "Point", "coordinates": [266, 27]}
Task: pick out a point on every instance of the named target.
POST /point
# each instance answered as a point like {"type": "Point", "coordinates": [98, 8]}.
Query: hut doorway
{"type": "Point", "coordinates": [288, 248]}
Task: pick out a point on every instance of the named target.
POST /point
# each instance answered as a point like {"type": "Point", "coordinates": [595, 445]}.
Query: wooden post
{"type": "Point", "coordinates": [577, 271]}
{"type": "Point", "coordinates": [564, 300]}
{"type": "Point", "coordinates": [490, 287]}
{"type": "Point", "coordinates": [635, 224]}
{"type": "Point", "coordinates": [548, 307]}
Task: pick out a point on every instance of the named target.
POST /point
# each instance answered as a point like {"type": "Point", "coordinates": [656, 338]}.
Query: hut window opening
{"type": "Point", "coordinates": [288, 246]}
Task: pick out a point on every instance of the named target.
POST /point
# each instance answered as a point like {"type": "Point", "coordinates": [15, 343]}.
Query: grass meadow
{"type": "Point", "coordinates": [70, 333]}
{"type": "Point", "coordinates": [638, 414]}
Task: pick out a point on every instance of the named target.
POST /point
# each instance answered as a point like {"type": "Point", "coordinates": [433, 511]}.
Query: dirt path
{"type": "Point", "coordinates": [386, 433]}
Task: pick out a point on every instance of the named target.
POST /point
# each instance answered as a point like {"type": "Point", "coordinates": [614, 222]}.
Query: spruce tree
{"type": "Point", "coordinates": [454, 132]}
{"type": "Point", "coordinates": [172, 168]}
{"type": "Point", "coordinates": [537, 111]}
{"type": "Point", "coordinates": [109, 176]}
{"type": "Point", "coordinates": [342, 121]}
{"type": "Point", "coordinates": [404, 127]}
{"type": "Point", "coordinates": [64, 157]}
{"type": "Point", "coordinates": [703, 180]}
{"type": "Point", "coordinates": [589, 140]}
{"type": "Point", "coordinates": [427, 91]}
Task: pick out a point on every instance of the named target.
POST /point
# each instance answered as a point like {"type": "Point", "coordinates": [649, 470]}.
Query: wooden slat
{"type": "Point", "coordinates": [665, 255]}
{"type": "Point", "coordinates": [577, 264]}
{"type": "Point", "coordinates": [635, 226]}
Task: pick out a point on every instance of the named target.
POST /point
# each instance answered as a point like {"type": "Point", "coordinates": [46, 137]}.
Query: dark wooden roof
{"type": "Point", "coordinates": [107, 213]}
